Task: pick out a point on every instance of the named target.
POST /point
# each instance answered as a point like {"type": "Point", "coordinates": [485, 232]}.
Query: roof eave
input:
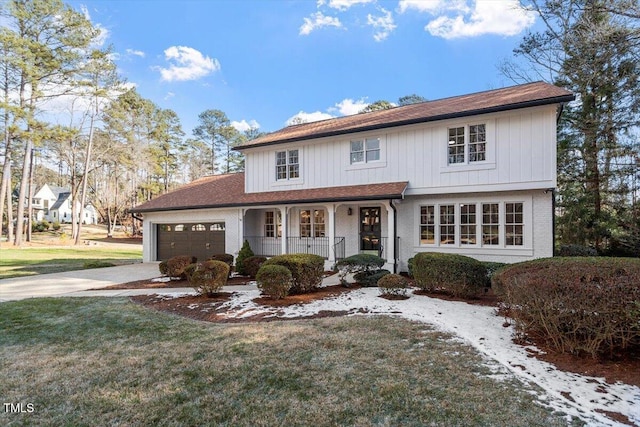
{"type": "Point", "coordinates": [274, 203]}
{"type": "Point", "coordinates": [546, 101]}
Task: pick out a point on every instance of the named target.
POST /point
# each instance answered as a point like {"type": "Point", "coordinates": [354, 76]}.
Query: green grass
{"type": "Point", "coordinates": [93, 361]}
{"type": "Point", "coordinates": [18, 262]}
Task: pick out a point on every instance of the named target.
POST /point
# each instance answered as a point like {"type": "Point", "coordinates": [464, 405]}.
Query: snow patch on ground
{"type": "Point", "coordinates": [484, 330]}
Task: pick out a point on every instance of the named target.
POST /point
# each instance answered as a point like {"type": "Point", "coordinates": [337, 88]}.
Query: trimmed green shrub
{"type": "Point", "coordinates": [576, 250]}
{"type": "Point", "coordinates": [306, 270]}
{"type": "Point", "coordinates": [208, 277]}
{"type": "Point", "coordinates": [575, 305]}
{"type": "Point", "coordinates": [393, 284]}
{"type": "Point", "coordinates": [274, 280]}
{"type": "Point", "coordinates": [253, 264]}
{"type": "Point", "coordinates": [177, 264]}
{"type": "Point", "coordinates": [366, 264]}
{"type": "Point", "coordinates": [410, 266]}
{"type": "Point", "coordinates": [369, 278]}
{"type": "Point", "coordinates": [458, 275]}
{"type": "Point", "coordinates": [245, 252]}
{"type": "Point", "coordinates": [56, 225]}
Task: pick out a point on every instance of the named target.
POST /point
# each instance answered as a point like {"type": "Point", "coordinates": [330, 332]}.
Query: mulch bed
{"type": "Point", "coordinates": [625, 369]}
{"type": "Point", "coordinates": [200, 307]}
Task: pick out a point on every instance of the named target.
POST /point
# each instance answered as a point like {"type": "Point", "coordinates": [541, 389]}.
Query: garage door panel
{"type": "Point", "coordinates": [198, 239]}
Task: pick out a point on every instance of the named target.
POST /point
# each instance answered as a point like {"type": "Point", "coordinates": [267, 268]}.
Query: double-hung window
{"type": "Point", "coordinates": [272, 224]}
{"type": "Point", "coordinates": [365, 150]}
{"type": "Point", "coordinates": [287, 164]}
{"type": "Point", "coordinates": [481, 224]}
{"type": "Point", "coordinates": [514, 224]}
{"type": "Point", "coordinates": [312, 223]}
{"type": "Point", "coordinates": [467, 144]}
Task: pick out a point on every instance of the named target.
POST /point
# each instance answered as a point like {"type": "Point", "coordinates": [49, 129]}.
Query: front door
{"type": "Point", "coordinates": [370, 230]}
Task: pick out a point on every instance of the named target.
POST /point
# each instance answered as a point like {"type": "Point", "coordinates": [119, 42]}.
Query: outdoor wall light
{"type": "Point", "coordinates": [349, 211]}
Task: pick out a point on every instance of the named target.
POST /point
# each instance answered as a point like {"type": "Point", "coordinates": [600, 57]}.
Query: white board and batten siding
{"type": "Point", "coordinates": [521, 154]}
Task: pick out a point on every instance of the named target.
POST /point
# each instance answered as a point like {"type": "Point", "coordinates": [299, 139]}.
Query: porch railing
{"type": "Point", "coordinates": [271, 246]}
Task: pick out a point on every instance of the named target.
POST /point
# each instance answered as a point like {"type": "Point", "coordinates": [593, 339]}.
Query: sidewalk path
{"type": "Point", "coordinates": [70, 283]}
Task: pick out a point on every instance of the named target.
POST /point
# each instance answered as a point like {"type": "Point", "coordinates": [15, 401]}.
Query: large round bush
{"type": "Point", "coordinates": [458, 275]}
{"type": "Point", "coordinates": [208, 277]}
{"type": "Point", "coordinates": [274, 280]}
{"type": "Point", "coordinates": [575, 305]}
{"type": "Point", "coordinates": [306, 270]}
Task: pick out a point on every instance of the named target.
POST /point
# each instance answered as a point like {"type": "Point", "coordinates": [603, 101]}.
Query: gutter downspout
{"type": "Point", "coordinates": [553, 219]}
{"type": "Point", "coordinates": [395, 237]}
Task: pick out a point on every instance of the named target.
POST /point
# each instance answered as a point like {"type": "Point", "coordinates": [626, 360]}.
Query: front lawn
{"type": "Point", "coordinates": [93, 361]}
{"type": "Point", "coordinates": [18, 262]}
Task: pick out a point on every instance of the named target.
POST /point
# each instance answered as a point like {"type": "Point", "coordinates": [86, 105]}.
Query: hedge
{"type": "Point", "coordinates": [577, 305]}
{"type": "Point", "coordinates": [174, 267]}
{"type": "Point", "coordinates": [252, 264]}
{"type": "Point", "coordinates": [393, 284]}
{"type": "Point", "coordinates": [458, 275]}
{"type": "Point", "coordinates": [362, 266]}
{"type": "Point", "coordinates": [306, 270]}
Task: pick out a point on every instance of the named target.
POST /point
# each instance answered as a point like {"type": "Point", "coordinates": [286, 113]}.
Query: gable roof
{"type": "Point", "coordinates": [62, 197]}
{"type": "Point", "coordinates": [220, 191]}
{"type": "Point", "coordinates": [509, 98]}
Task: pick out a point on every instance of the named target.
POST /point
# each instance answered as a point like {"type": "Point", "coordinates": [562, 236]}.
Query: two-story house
{"type": "Point", "coordinates": [53, 204]}
{"type": "Point", "coordinates": [471, 175]}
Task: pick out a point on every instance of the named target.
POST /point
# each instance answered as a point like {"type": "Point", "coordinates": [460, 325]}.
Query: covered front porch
{"type": "Point", "coordinates": [330, 230]}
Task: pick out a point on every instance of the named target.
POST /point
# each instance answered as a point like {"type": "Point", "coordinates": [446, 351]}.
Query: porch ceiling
{"type": "Point", "coordinates": [221, 191]}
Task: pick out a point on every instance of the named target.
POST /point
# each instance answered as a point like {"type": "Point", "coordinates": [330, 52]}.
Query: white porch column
{"type": "Point", "coordinates": [390, 249]}
{"type": "Point", "coordinates": [331, 209]}
{"type": "Point", "coordinates": [285, 228]}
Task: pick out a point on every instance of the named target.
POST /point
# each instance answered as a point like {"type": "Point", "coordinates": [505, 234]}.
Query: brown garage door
{"type": "Point", "coordinates": [200, 240]}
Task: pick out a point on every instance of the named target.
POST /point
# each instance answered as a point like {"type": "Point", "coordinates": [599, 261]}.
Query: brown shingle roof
{"type": "Point", "coordinates": [521, 96]}
{"type": "Point", "coordinates": [220, 191]}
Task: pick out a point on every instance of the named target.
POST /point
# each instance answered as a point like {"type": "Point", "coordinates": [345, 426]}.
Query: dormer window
{"type": "Point", "coordinates": [287, 164]}
{"type": "Point", "coordinates": [365, 150]}
{"type": "Point", "coordinates": [467, 144]}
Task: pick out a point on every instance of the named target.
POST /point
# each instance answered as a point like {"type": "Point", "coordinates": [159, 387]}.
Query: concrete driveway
{"type": "Point", "coordinates": [76, 283]}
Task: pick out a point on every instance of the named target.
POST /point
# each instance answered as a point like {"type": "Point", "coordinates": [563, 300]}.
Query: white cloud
{"type": "Point", "coordinates": [468, 18]}
{"type": "Point", "coordinates": [318, 20]}
{"type": "Point", "coordinates": [103, 33]}
{"type": "Point", "coordinates": [187, 64]}
{"type": "Point", "coordinates": [433, 6]}
{"type": "Point", "coordinates": [135, 52]}
{"type": "Point", "coordinates": [348, 106]}
{"type": "Point", "coordinates": [243, 126]}
{"type": "Point", "coordinates": [344, 4]}
{"type": "Point", "coordinates": [169, 95]}
{"type": "Point", "coordinates": [489, 17]}
{"type": "Point", "coordinates": [383, 25]}
{"type": "Point", "coordinates": [303, 117]}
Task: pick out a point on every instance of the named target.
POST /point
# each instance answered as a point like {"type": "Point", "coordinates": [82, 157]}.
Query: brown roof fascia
{"type": "Point", "coordinates": [276, 202]}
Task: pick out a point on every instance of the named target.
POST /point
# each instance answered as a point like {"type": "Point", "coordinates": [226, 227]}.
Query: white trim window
{"type": "Point", "coordinates": [468, 226]}
{"type": "Point", "coordinates": [312, 226]}
{"type": "Point", "coordinates": [514, 224]}
{"type": "Point", "coordinates": [272, 224]}
{"type": "Point", "coordinates": [365, 150]}
{"type": "Point", "coordinates": [485, 224]}
{"type": "Point", "coordinates": [427, 225]}
{"type": "Point", "coordinates": [467, 144]}
{"type": "Point", "coordinates": [490, 224]}
{"type": "Point", "coordinates": [287, 165]}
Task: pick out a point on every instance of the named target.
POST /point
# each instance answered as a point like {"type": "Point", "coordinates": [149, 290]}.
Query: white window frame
{"type": "Point", "coordinates": [520, 230]}
{"type": "Point", "coordinates": [368, 146]}
{"type": "Point", "coordinates": [316, 228]}
{"type": "Point", "coordinates": [461, 138]}
{"type": "Point", "coordinates": [289, 165]}
{"type": "Point", "coordinates": [275, 224]}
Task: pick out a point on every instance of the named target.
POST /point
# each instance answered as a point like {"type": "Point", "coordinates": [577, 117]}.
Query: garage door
{"type": "Point", "coordinates": [200, 240]}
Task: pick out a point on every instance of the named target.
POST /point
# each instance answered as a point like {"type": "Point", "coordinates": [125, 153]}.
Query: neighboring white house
{"type": "Point", "coordinates": [54, 204]}
{"type": "Point", "coordinates": [471, 175]}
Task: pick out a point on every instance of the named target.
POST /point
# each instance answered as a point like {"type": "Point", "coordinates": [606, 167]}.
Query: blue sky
{"type": "Point", "coordinates": [263, 62]}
